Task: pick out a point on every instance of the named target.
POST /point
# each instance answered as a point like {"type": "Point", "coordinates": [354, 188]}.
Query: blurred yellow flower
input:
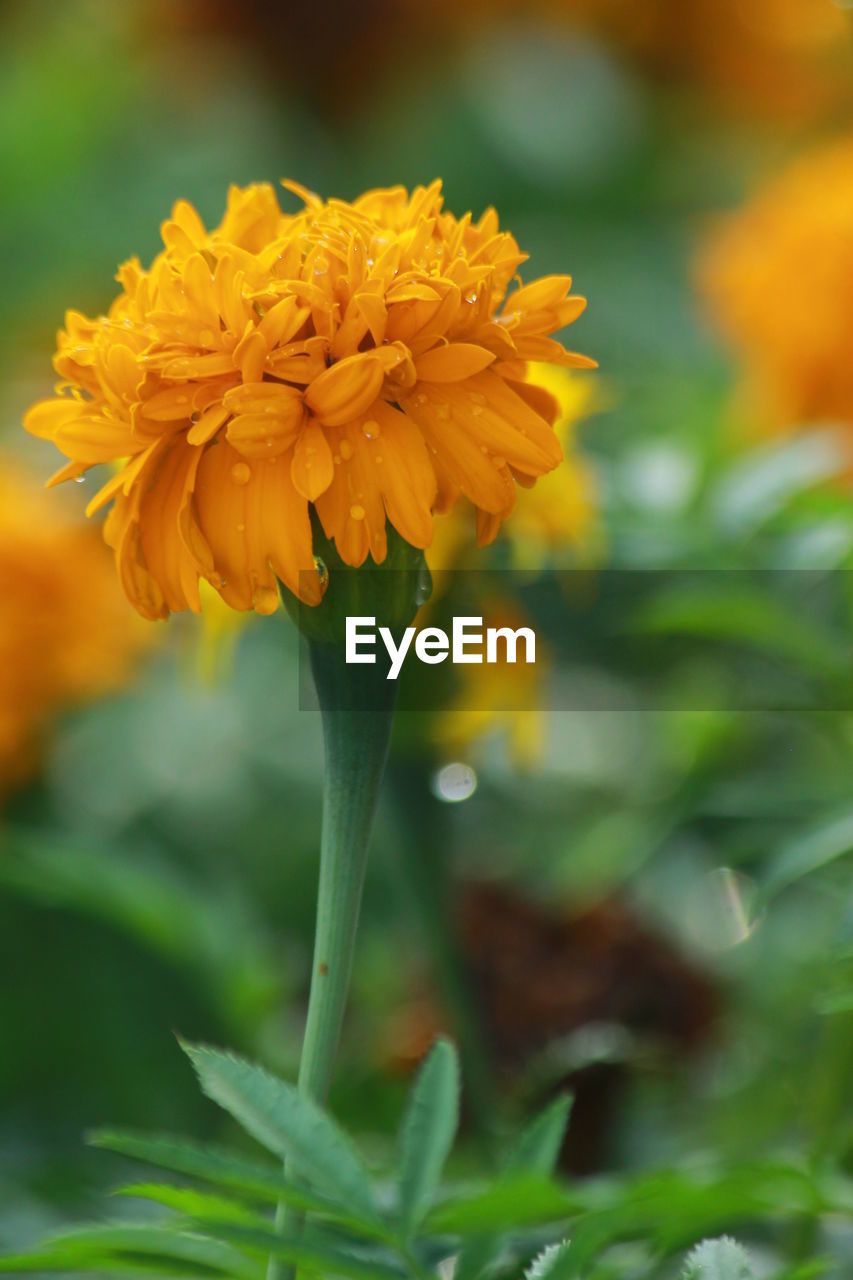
{"type": "Point", "coordinates": [496, 700]}
{"type": "Point", "coordinates": [66, 634]}
{"type": "Point", "coordinates": [777, 276]}
{"type": "Point", "coordinates": [559, 511]}
{"type": "Point", "coordinates": [365, 358]}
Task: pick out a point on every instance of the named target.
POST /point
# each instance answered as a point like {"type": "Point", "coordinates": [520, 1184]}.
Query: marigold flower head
{"type": "Point", "coordinates": [778, 278]}
{"type": "Point", "coordinates": [66, 634]}
{"type": "Point", "coordinates": [368, 359]}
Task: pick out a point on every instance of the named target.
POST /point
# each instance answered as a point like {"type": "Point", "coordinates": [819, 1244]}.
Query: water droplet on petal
{"type": "Point", "coordinates": [241, 473]}
{"type": "Point", "coordinates": [371, 429]}
{"type": "Point", "coordinates": [454, 783]}
{"type": "Point", "coordinates": [442, 410]}
{"type": "Point", "coordinates": [357, 512]}
{"type": "Point", "coordinates": [241, 528]}
{"type": "Point", "coordinates": [79, 479]}
{"type": "Point", "coordinates": [346, 450]}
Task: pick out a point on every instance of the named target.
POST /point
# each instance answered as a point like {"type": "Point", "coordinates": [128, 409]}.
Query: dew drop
{"type": "Point", "coordinates": [357, 512]}
{"type": "Point", "coordinates": [346, 450]}
{"type": "Point", "coordinates": [241, 528]}
{"type": "Point", "coordinates": [478, 397]}
{"type": "Point", "coordinates": [241, 473]}
{"type": "Point", "coordinates": [442, 410]}
{"type": "Point", "coordinates": [476, 410]}
{"type": "Point", "coordinates": [182, 399]}
{"type": "Point", "coordinates": [379, 457]}
{"type": "Point", "coordinates": [423, 587]}
{"type": "Point", "coordinates": [79, 479]}
{"type": "Point", "coordinates": [207, 337]}
{"type": "Point", "coordinates": [337, 459]}
{"type": "Point", "coordinates": [454, 783]}
{"type": "Point", "coordinates": [471, 297]}
{"type": "Point", "coordinates": [371, 429]}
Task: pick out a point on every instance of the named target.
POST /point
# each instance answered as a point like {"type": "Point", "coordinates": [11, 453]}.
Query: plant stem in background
{"type": "Point", "coordinates": [357, 708]}
{"type": "Point", "coordinates": [425, 861]}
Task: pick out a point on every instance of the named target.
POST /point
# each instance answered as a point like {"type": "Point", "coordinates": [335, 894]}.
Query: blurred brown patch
{"type": "Point", "coordinates": [539, 976]}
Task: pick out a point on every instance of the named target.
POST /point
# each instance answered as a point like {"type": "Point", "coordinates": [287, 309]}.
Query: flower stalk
{"type": "Point", "coordinates": [357, 717]}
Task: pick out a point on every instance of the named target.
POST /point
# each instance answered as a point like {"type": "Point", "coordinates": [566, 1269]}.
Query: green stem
{"type": "Point", "coordinates": [357, 709]}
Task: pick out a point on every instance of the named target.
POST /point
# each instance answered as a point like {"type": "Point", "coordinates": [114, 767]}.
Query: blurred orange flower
{"type": "Point", "coordinates": [780, 56]}
{"type": "Point", "coordinates": [777, 276]}
{"type": "Point", "coordinates": [365, 358]}
{"type": "Point", "coordinates": [66, 634]}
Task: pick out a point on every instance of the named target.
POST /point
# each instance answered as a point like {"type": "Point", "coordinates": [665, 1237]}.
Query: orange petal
{"type": "Point", "coordinates": [312, 468]}
{"type": "Point", "coordinates": [453, 362]}
{"type": "Point", "coordinates": [347, 389]}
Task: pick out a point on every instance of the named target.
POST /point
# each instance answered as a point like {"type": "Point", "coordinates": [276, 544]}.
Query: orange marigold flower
{"type": "Point", "coordinates": [778, 278]}
{"type": "Point", "coordinates": [363, 358]}
{"type": "Point", "coordinates": [66, 634]}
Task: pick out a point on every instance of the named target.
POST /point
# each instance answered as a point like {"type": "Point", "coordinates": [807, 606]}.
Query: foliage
{"type": "Point", "coordinates": [411, 1223]}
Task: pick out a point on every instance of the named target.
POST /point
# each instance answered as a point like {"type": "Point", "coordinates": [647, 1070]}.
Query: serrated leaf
{"type": "Point", "coordinates": [538, 1148]}
{"type": "Point", "coordinates": [547, 1264]}
{"type": "Point", "coordinates": [721, 1259]}
{"type": "Point", "coordinates": [250, 1178]}
{"type": "Point", "coordinates": [277, 1116]}
{"type": "Point", "coordinates": [428, 1130]}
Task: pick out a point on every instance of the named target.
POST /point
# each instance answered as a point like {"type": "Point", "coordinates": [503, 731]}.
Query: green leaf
{"type": "Point", "coordinates": [193, 1204]}
{"type": "Point", "coordinates": [536, 1153]}
{"type": "Point", "coordinates": [476, 1256]}
{"type": "Point", "coordinates": [538, 1148]}
{"type": "Point", "coordinates": [511, 1202]}
{"type": "Point", "coordinates": [104, 1249]}
{"type": "Point", "coordinates": [427, 1133]}
{"type": "Point", "coordinates": [275, 1114]}
{"type": "Point", "coordinates": [721, 1259]}
{"type": "Point", "coordinates": [547, 1264]}
{"type": "Point", "coordinates": [809, 851]}
{"type": "Point", "coordinates": [251, 1178]}
{"type": "Point", "coordinates": [310, 1248]}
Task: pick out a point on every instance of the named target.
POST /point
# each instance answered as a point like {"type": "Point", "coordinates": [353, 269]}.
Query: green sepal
{"type": "Point", "coordinates": [391, 592]}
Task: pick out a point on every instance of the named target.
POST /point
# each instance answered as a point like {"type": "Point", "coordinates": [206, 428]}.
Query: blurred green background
{"type": "Point", "coordinates": [657, 904]}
